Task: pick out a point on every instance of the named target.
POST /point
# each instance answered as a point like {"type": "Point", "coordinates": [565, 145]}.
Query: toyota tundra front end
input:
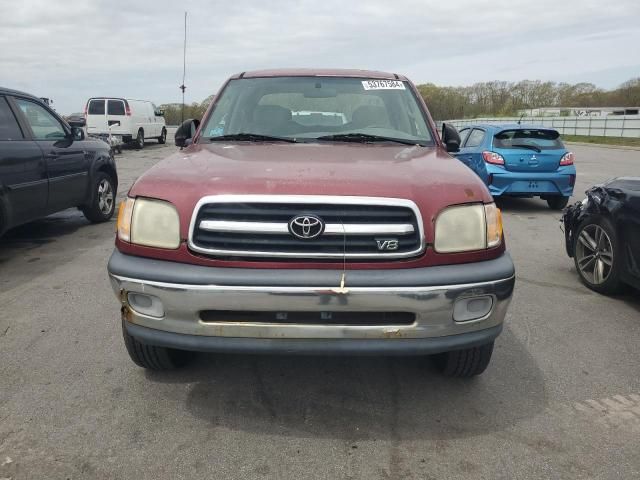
{"type": "Point", "coordinates": [312, 212]}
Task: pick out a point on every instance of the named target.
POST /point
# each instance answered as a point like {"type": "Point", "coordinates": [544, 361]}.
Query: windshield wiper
{"type": "Point", "coordinates": [365, 137]}
{"type": "Point", "coordinates": [251, 137]}
{"type": "Point", "coordinates": [532, 147]}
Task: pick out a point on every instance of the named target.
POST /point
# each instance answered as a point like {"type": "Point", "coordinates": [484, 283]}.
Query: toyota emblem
{"type": "Point", "coordinates": [306, 226]}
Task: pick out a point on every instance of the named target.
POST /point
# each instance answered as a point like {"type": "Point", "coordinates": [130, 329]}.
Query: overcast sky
{"type": "Point", "coordinates": [73, 49]}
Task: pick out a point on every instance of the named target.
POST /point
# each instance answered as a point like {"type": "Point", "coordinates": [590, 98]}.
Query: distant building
{"type": "Point", "coordinates": [578, 111]}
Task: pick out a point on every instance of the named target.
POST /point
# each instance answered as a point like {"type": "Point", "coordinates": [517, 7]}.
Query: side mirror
{"type": "Point", "coordinates": [159, 113]}
{"type": "Point", "coordinates": [186, 132]}
{"type": "Point", "coordinates": [77, 122]}
{"type": "Point", "coordinates": [450, 138]}
{"type": "Point", "coordinates": [77, 133]}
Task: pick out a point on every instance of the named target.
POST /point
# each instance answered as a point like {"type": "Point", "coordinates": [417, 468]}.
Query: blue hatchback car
{"type": "Point", "coordinates": [520, 160]}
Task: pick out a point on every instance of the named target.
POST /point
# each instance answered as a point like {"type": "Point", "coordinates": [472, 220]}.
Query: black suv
{"type": "Point", "coordinates": [47, 164]}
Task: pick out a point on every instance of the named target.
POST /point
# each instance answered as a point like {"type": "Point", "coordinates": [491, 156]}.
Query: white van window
{"type": "Point", "coordinates": [115, 107]}
{"type": "Point", "coordinates": [96, 107]}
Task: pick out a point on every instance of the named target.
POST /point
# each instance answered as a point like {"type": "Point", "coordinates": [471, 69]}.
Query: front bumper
{"type": "Point", "coordinates": [505, 182]}
{"type": "Point", "coordinates": [429, 293]}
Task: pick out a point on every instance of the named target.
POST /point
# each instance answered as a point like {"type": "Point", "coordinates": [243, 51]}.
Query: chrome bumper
{"type": "Point", "coordinates": [433, 306]}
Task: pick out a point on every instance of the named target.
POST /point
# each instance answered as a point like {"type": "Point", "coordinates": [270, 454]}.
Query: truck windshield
{"type": "Point", "coordinates": [310, 108]}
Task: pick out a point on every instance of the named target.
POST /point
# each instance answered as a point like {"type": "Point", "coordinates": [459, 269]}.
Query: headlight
{"type": "Point", "coordinates": [149, 222]}
{"type": "Point", "coordinates": [468, 227]}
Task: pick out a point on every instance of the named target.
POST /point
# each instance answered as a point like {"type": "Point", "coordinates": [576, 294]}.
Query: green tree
{"type": "Point", "coordinates": [173, 111]}
{"type": "Point", "coordinates": [499, 98]}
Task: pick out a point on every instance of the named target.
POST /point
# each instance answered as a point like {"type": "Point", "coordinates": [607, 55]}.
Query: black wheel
{"type": "Point", "coordinates": [103, 203]}
{"type": "Point", "coordinates": [140, 140]}
{"type": "Point", "coordinates": [162, 139]}
{"type": "Point", "coordinates": [557, 202]}
{"type": "Point", "coordinates": [153, 357]}
{"type": "Point", "coordinates": [597, 255]}
{"type": "Point", "coordinates": [465, 363]}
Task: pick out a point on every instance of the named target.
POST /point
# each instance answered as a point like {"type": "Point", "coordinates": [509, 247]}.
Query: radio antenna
{"type": "Point", "coordinates": [184, 64]}
{"type": "Point", "coordinates": [343, 278]}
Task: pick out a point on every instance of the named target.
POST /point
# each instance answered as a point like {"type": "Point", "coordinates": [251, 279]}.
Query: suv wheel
{"type": "Point", "coordinates": [153, 357]}
{"type": "Point", "coordinates": [557, 202]}
{"type": "Point", "coordinates": [103, 203]}
{"type": "Point", "coordinates": [162, 139]}
{"type": "Point", "coordinates": [465, 363]}
{"type": "Point", "coordinates": [140, 140]}
{"type": "Point", "coordinates": [596, 255]}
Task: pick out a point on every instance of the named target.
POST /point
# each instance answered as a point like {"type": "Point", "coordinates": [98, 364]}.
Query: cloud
{"type": "Point", "coordinates": [75, 49]}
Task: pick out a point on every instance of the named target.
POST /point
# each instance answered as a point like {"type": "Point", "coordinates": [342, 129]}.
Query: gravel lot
{"type": "Point", "coordinates": [561, 398]}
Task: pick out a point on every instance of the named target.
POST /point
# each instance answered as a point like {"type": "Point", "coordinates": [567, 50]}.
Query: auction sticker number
{"type": "Point", "coordinates": [382, 85]}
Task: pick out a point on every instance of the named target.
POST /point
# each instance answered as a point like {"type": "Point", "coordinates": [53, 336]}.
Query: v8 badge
{"type": "Point", "coordinates": [388, 244]}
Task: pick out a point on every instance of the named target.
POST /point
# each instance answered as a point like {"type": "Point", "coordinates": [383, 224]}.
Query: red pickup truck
{"type": "Point", "coordinates": [312, 212]}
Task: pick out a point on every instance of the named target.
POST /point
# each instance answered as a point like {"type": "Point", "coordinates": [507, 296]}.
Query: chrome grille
{"type": "Point", "coordinates": [259, 226]}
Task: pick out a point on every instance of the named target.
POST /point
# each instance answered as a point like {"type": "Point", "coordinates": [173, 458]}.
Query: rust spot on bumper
{"type": "Point", "coordinates": [126, 313]}
{"type": "Point", "coordinates": [392, 333]}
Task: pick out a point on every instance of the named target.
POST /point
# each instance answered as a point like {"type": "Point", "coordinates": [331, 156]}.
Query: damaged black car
{"type": "Point", "coordinates": [602, 234]}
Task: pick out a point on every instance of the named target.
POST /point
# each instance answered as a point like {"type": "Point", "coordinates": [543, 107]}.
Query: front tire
{"type": "Point", "coordinates": [103, 202]}
{"type": "Point", "coordinates": [557, 202]}
{"type": "Point", "coordinates": [153, 357]}
{"type": "Point", "coordinates": [162, 139]}
{"type": "Point", "coordinates": [598, 256]}
{"type": "Point", "coordinates": [140, 140]}
{"type": "Point", "coordinates": [465, 363]}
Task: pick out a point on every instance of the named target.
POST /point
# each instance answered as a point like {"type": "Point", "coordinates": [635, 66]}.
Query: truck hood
{"type": "Point", "coordinates": [426, 175]}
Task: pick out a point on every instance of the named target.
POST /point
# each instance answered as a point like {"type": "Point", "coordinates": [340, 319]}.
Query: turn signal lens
{"type": "Point", "coordinates": [567, 159]}
{"type": "Point", "coordinates": [124, 219]}
{"type": "Point", "coordinates": [493, 158]}
{"type": "Point", "coordinates": [493, 217]}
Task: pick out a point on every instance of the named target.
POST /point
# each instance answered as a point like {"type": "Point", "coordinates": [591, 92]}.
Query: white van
{"type": "Point", "coordinates": [139, 119]}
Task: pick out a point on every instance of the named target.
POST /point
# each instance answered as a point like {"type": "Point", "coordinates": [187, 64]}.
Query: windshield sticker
{"type": "Point", "coordinates": [382, 85]}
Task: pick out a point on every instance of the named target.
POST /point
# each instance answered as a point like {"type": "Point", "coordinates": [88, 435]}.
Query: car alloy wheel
{"type": "Point", "coordinates": [594, 254]}
{"type": "Point", "coordinates": [105, 196]}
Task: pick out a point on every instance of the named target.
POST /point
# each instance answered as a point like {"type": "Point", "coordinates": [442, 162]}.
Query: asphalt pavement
{"type": "Point", "coordinates": [561, 398]}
